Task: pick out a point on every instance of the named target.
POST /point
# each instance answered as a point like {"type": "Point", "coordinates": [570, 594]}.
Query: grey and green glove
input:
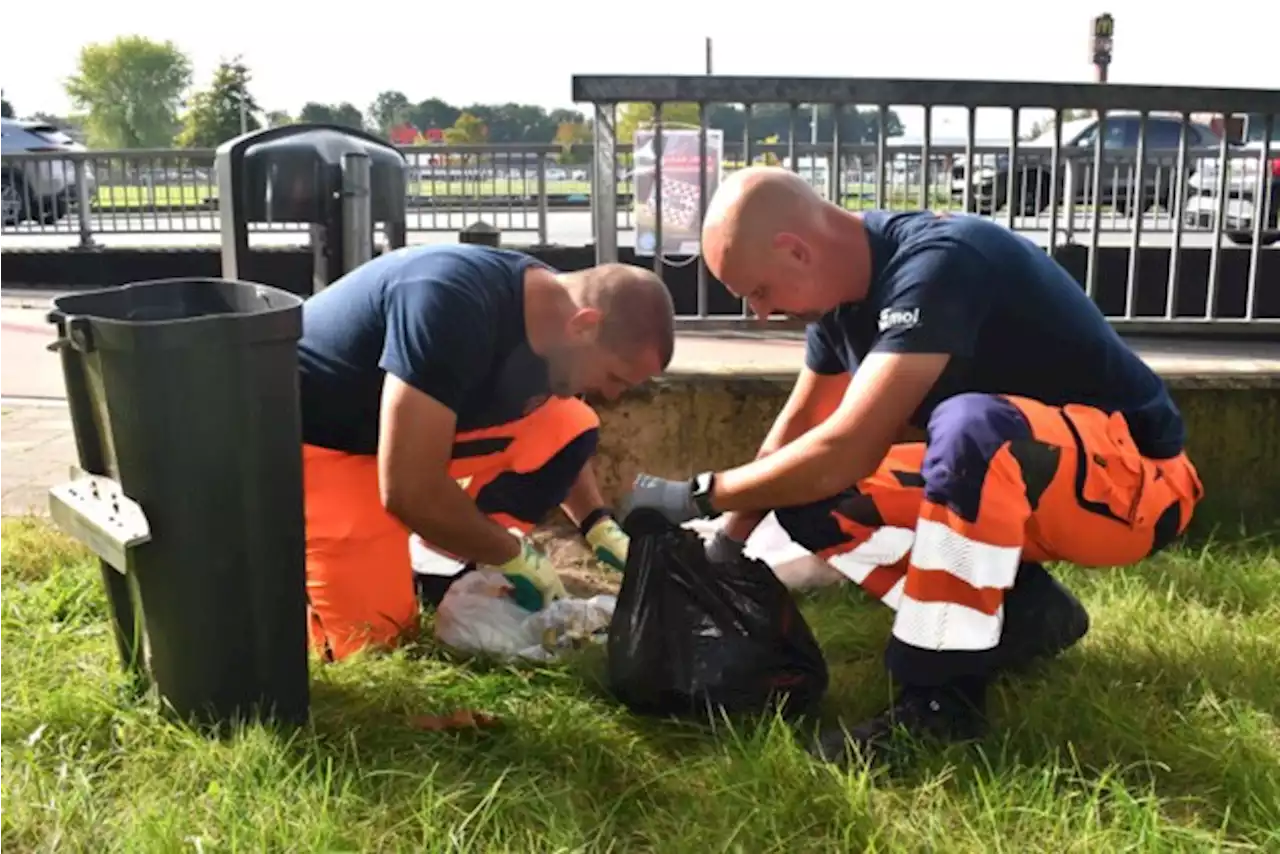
{"type": "Point", "coordinates": [534, 578]}
{"type": "Point", "coordinates": [606, 538]}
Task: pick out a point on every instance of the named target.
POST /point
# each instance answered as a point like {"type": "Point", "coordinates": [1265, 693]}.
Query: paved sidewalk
{"type": "Point", "coordinates": [39, 449]}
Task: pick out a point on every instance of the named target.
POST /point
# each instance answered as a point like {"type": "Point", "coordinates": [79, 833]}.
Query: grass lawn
{"type": "Point", "coordinates": [194, 196]}
{"type": "Point", "coordinates": [1157, 733]}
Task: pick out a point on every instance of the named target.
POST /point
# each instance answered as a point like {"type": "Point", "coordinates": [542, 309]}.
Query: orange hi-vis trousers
{"type": "Point", "coordinates": [939, 530]}
{"type": "Point", "coordinates": [359, 574]}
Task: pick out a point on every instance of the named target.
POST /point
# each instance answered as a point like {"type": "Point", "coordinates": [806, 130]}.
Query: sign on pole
{"type": "Point", "coordinates": [1104, 30]}
{"type": "Point", "coordinates": [681, 229]}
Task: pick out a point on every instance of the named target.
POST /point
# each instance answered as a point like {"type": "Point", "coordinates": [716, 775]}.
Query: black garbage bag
{"type": "Point", "coordinates": [689, 637]}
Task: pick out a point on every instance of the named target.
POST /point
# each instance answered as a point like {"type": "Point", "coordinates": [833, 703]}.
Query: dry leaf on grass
{"type": "Point", "coordinates": [459, 719]}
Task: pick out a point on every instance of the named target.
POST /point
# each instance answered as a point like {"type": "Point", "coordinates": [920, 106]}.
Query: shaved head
{"type": "Point", "coordinates": [770, 238]}
{"type": "Point", "coordinates": [749, 209]}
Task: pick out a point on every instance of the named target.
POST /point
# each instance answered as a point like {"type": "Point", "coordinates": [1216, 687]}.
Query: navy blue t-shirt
{"type": "Point", "coordinates": [1012, 320]}
{"type": "Point", "coordinates": [447, 320]}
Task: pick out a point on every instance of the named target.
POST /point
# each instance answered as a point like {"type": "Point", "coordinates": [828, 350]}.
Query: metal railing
{"type": "Point", "coordinates": [519, 188]}
{"type": "Point", "coordinates": [166, 194]}
{"type": "Point", "coordinates": [1081, 182]}
{"type": "Point", "coordinates": [1166, 195]}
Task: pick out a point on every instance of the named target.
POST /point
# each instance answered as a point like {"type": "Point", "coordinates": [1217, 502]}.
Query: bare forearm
{"type": "Point", "coordinates": [739, 525]}
{"type": "Point", "coordinates": [447, 518]}
{"type": "Point", "coordinates": [584, 496]}
{"type": "Point", "coordinates": [811, 468]}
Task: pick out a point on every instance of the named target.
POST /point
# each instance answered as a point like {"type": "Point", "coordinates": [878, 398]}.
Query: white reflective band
{"type": "Point", "coordinates": [885, 547]}
{"type": "Point", "coordinates": [978, 564]}
{"type": "Point", "coordinates": [894, 597]}
{"type": "Point", "coordinates": [942, 626]}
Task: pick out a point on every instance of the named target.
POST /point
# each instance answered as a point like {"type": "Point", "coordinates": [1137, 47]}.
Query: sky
{"type": "Point", "coordinates": [502, 51]}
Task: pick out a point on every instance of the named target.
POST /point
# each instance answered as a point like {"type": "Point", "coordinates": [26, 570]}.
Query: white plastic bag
{"type": "Point", "coordinates": [477, 615]}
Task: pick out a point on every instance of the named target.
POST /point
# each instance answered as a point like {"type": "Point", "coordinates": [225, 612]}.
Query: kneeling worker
{"type": "Point", "coordinates": [1048, 438]}
{"type": "Point", "coordinates": [439, 393]}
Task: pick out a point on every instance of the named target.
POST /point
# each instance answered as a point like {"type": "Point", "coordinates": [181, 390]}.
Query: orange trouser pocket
{"type": "Point", "coordinates": [359, 577]}
{"type": "Point", "coordinates": [1107, 504]}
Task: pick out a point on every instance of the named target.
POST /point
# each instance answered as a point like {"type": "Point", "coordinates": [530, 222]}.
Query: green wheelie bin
{"type": "Point", "coordinates": [184, 402]}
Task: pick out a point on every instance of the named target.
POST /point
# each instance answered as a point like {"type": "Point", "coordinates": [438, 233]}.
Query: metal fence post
{"type": "Point", "coordinates": [542, 200]}
{"type": "Point", "coordinates": [604, 185]}
{"type": "Point", "coordinates": [82, 204]}
{"type": "Point", "coordinates": [357, 210]}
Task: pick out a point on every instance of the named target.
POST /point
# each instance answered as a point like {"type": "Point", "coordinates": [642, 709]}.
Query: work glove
{"type": "Point", "coordinates": [672, 498]}
{"type": "Point", "coordinates": [607, 540]}
{"type": "Point", "coordinates": [721, 548]}
{"type": "Point", "coordinates": [534, 578]}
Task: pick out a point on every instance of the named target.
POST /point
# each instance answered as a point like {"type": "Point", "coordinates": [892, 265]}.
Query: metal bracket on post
{"type": "Point", "coordinates": [357, 210]}
{"type": "Point", "coordinates": [604, 185]}
{"type": "Point", "coordinates": [93, 509]}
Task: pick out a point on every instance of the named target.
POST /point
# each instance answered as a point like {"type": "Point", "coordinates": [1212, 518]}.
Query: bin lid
{"type": "Point", "coordinates": [182, 312]}
{"type": "Point", "coordinates": [326, 145]}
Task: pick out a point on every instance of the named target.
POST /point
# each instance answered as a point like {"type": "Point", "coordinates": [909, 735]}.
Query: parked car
{"type": "Point", "coordinates": [990, 181]}
{"type": "Point", "coordinates": [38, 189]}
{"type": "Point", "coordinates": [1242, 185]}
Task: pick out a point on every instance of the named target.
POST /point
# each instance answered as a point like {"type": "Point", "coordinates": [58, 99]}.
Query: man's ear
{"type": "Point", "coordinates": [584, 325]}
{"type": "Point", "coordinates": [793, 247]}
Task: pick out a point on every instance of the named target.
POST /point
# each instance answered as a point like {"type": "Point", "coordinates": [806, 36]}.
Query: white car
{"type": "Point", "coordinates": [40, 189]}
{"type": "Point", "coordinates": [1242, 185]}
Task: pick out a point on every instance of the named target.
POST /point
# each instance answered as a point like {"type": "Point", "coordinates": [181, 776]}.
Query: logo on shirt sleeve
{"type": "Point", "coordinates": [899, 318]}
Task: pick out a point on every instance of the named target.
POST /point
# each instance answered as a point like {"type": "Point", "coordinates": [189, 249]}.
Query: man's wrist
{"type": "Point", "coordinates": [701, 494]}
{"type": "Point", "coordinates": [517, 548]}
{"type": "Point", "coordinates": [593, 518]}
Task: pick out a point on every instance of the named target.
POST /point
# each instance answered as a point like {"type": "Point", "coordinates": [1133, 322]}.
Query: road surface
{"type": "Point", "coordinates": [520, 227]}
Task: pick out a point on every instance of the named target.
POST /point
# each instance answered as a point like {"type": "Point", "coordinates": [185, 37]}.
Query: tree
{"type": "Point", "coordinates": [316, 113]}
{"type": "Point", "coordinates": [467, 130]}
{"type": "Point", "coordinates": [276, 118]}
{"type": "Point", "coordinates": [561, 116]}
{"type": "Point", "coordinates": [632, 116]}
{"type": "Point", "coordinates": [570, 134]}
{"type": "Point", "coordinates": [433, 113]}
{"type": "Point", "coordinates": [132, 88]}
{"type": "Point", "coordinates": [6, 109]}
{"type": "Point", "coordinates": [514, 122]}
{"type": "Point", "coordinates": [224, 110]}
{"type": "Point", "coordinates": [348, 115]}
{"type": "Point", "coordinates": [389, 109]}
{"type": "Point", "coordinates": [344, 114]}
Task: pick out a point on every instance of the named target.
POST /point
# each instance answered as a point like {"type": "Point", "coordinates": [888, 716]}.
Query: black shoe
{"type": "Point", "coordinates": [945, 714]}
{"type": "Point", "coordinates": [1041, 619]}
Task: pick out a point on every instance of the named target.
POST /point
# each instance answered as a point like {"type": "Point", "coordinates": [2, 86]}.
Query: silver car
{"type": "Point", "coordinates": [1241, 207]}
{"type": "Point", "coordinates": [41, 189]}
